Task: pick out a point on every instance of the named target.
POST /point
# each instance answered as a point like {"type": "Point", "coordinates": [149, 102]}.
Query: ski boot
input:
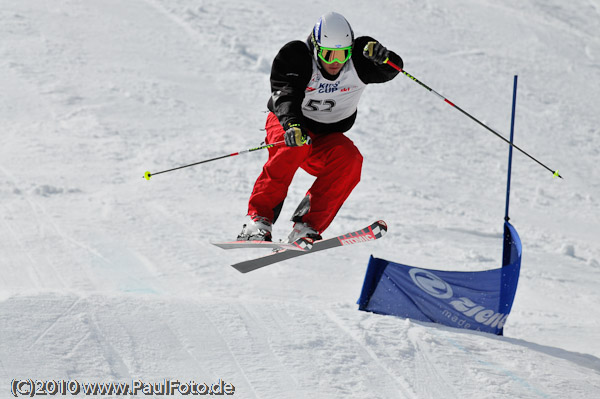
{"type": "Point", "coordinates": [256, 228]}
{"type": "Point", "coordinates": [301, 230]}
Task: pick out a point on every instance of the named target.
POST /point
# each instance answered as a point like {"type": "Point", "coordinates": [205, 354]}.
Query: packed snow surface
{"type": "Point", "coordinates": [108, 277]}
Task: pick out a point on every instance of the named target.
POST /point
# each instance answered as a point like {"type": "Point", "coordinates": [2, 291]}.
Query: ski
{"type": "Point", "coordinates": [369, 233]}
{"type": "Point", "coordinates": [301, 244]}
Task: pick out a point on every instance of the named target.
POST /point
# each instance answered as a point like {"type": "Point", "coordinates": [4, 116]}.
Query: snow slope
{"type": "Point", "coordinates": [105, 276]}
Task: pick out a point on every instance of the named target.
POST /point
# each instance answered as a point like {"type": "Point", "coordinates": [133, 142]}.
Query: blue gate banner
{"type": "Point", "coordinates": [479, 300]}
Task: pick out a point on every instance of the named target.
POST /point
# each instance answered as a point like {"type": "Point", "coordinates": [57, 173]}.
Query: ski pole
{"type": "Point", "coordinates": [147, 175]}
{"type": "Point", "coordinates": [396, 67]}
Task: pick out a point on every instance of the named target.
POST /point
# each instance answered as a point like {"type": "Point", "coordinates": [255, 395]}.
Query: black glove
{"type": "Point", "coordinates": [295, 136]}
{"type": "Point", "coordinates": [376, 52]}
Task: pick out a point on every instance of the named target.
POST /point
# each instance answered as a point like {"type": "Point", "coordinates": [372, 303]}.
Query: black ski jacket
{"type": "Point", "coordinates": [291, 72]}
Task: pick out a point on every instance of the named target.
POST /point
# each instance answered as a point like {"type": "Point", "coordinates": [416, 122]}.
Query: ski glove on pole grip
{"type": "Point", "coordinates": [376, 52]}
{"type": "Point", "coordinates": [295, 136]}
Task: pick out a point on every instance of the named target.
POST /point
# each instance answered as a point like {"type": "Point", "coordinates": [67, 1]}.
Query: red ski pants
{"type": "Point", "coordinates": [332, 158]}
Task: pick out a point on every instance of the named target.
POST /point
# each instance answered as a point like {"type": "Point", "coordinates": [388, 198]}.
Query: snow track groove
{"type": "Point", "coordinates": [389, 390]}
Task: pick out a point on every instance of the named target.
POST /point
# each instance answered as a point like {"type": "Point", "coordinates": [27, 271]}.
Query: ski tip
{"type": "Point", "coordinates": [379, 228]}
{"type": "Point", "coordinates": [147, 175]}
{"type": "Point", "coordinates": [382, 224]}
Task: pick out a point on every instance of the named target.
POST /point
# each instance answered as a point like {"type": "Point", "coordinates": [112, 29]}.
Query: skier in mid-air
{"type": "Point", "coordinates": [315, 89]}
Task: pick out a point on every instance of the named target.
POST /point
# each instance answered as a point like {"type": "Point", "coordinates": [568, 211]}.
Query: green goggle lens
{"type": "Point", "coordinates": [331, 55]}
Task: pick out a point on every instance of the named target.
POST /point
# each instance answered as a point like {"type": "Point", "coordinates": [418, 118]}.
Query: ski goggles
{"type": "Point", "coordinates": [331, 55]}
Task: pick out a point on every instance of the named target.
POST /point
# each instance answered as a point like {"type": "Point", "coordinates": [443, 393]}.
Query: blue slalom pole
{"type": "Point", "coordinates": [510, 148]}
{"type": "Point", "coordinates": [506, 249]}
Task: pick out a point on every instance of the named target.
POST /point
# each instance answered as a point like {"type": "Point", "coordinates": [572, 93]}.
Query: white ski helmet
{"type": "Point", "coordinates": [332, 31]}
